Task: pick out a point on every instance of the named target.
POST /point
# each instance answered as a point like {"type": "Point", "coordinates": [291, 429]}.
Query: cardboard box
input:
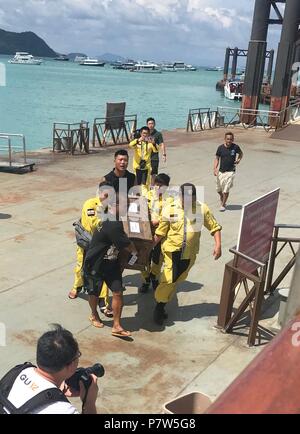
{"type": "Point", "coordinates": [138, 228]}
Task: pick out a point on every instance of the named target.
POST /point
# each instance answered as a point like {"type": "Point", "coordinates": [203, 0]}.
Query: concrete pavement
{"type": "Point", "coordinates": [37, 254]}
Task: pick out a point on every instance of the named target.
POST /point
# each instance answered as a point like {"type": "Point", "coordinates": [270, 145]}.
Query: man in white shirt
{"type": "Point", "coordinates": [57, 360]}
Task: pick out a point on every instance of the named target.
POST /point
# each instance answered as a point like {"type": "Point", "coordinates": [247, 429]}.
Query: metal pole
{"type": "Point", "coordinates": [24, 149]}
{"type": "Point", "coordinates": [270, 67]}
{"type": "Point", "coordinates": [256, 57]}
{"type": "Point", "coordinates": [285, 57]}
{"type": "Point", "coordinates": [9, 152]}
{"type": "Point", "coordinates": [293, 303]}
{"type": "Point", "coordinates": [234, 62]}
{"type": "Point", "coordinates": [226, 63]}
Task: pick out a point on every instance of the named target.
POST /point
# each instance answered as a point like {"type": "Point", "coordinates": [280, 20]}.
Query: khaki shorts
{"type": "Point", "coordinates": [225, 181]}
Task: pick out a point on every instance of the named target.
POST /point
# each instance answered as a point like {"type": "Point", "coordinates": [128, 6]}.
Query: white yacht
{"type": "Point", "coordinates": [23, 58]}
{"type": "Point", "coordinates": [79, 59]}
{"type": "Point", "coordinates": [88, 61]}
{"type": "Point", "coordinates": [168, 67]}
{"type": "Point", "coordinates": [233, 89]}
{"type": "Point", "coordinates": [179, 66]}
{"type": "Point", "coordinates": [147, 67]}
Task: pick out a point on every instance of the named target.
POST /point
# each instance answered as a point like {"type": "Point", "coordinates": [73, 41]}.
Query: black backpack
{"type": "Point", "coordinates": [42, 399]}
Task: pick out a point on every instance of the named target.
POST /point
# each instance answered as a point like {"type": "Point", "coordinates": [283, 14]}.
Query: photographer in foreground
{"type": "Point", "coordinates": [43, 389]}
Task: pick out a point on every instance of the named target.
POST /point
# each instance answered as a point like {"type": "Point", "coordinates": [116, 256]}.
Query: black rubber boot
{"type": "Point", "coordinates": [154, 281]}
{"type": "Point", "coordinates": [145, 286]}
{"type": "Point", "coordinates": [159, 314]}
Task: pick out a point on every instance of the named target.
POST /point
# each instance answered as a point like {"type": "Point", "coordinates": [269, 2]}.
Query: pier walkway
{"type": "Point", "coordinates": [37, 256]}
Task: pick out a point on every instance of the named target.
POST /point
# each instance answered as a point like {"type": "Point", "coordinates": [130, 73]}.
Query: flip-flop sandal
{"type": "Point", "coordinates": [107, 312]}
{"type": "Point", "coordinates": [96, 322]}
{"type": "Point", "coordinates": [121, 334]}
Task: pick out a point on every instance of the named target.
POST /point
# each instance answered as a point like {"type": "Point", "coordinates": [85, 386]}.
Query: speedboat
{"type": "Point", "coordinates": [190, 68]}
{"type": "Point", "coordinates": [91, 62]}
{"type": "Point", "coordinates": [23, 58]}
{"type": "Point", "coordinates": [215, 69]}
{"type": "Point", "coordinates": [233, 89]}
{"type": "Point", "coordinates": [147, 67]}
{"type": "Point", "coordinates": [62, 58]}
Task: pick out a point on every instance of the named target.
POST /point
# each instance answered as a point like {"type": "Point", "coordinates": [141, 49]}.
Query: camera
{"type": "Point", "coordinates": [142, 164]}
{"type": "Point", "coordinates": [136, 134]}
{"type": "Point", "coordinates": [83, 374]}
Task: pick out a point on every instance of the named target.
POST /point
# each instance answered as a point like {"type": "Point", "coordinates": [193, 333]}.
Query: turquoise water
{"type": "Point", "coordinates": [36, 96]}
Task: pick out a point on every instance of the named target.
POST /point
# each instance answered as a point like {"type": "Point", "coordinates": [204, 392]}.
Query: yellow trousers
{"type": "Point", "coordinates": [155, 264]}
{"type": "Point", "coordinates": [175, 270]}
{"type": "Point", "coordinates": [78, 281]}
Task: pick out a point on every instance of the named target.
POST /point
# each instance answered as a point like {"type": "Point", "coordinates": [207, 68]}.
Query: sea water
{"type": "Point", "coordinates": [34, 97]}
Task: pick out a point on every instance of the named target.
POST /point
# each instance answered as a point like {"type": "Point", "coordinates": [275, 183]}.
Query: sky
{"type": "Point", "coordinates": [194, 31]}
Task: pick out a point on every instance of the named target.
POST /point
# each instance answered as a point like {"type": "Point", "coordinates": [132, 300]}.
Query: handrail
{"type": "Point", "coordinates": [23, 146]}
{"type": "Point", "coordinates": [287, 226]}
{"type": "Point", "coordinates": [248, 258]}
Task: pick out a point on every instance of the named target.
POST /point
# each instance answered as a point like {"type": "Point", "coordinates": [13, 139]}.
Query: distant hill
{"type": "Point", "coordinates": [109, 57]}
{"type": "Point", "coordinates": [10, 42]}
{"type": "Point", "coordinates": [72, 56]}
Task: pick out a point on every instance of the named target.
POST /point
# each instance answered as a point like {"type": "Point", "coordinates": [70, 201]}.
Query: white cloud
{"type": "Point", "coordinates": [136, 28]}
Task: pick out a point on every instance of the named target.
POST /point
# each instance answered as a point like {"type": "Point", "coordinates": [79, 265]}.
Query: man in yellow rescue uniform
{"type": "Point", "coordinates": [143, 148]}
{"type": "Point", "coordinates": [90, 220]}
{"type": "Point", "coordinates": [157, 196]}
{"type": "Point", "coordinates": [179, 232]}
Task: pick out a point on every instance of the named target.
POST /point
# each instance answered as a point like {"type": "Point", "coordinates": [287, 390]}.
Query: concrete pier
{"type": "Point", "coordinates": [37, 256]}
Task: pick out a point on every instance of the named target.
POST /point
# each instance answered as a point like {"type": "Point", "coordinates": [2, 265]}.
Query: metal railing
{"type": "Point", "coordinates": [202, 119]}
{"type": "Point", "coordinates": [249, 118]}
{"type": "Point", "coordinates": [289, 114]}
{"type": "Point", "coordinates": [275, 367]}
{"type": "Point", "coordinates": [9, 148]}
{"type": "Point", "coordinates": [67, 136]}
{"type": "Point", "coordinates": [283, 241]}
{"type": "Point", "coordinates": [106, 133]}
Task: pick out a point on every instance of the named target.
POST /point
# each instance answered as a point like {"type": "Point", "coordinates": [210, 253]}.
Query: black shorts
{"type": "Point", "coordinates": [110, 273]}
{"type": "Point", "coordinates": [154, 163]}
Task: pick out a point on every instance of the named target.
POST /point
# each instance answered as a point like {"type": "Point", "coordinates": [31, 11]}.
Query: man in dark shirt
{"type": "Point", "coordinates": [121, 179]}
{"type": "Point", "coordinates": [158, 142]}
{"type": "Point", "coordinates": [227, 156]}
{"type": "Point", "coordinates": [102, 264]}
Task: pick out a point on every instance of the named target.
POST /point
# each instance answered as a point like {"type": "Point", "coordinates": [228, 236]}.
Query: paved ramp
{"type": "Point", "coordinates": [291, 133]}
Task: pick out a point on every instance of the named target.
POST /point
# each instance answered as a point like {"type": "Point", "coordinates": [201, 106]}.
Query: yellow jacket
{"type": "Point", "coordinates": [142, 151]}
{"type": "Point", "coordinates": [89, 215]}
{"type": "Point", "coordinates": [181, 231]}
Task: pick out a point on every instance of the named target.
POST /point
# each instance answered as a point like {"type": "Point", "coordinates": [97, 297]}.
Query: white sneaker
{"type": "Point", "coordinates": [222, 208]}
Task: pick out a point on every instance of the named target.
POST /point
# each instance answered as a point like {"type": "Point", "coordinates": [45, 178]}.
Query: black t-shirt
{"type": "Point", "coordinates": [113, 179]}
{"type": "Point", "coordinates": [110, 234]}
{"type": "Point", "coordinates": [227, 157]}
{"type": "Point", "coordinates": [157, 139]}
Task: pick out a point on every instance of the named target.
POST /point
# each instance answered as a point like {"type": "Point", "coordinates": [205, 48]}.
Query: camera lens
{"type": "Point", "coordinates": [97, 369]}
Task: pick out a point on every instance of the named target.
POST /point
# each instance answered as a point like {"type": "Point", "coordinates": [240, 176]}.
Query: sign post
{"type": "Point", "coordinates": [249, 263]}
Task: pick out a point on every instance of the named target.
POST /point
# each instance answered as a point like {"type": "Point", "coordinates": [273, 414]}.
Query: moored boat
{"type": "Point", "coordinates": [233, 89]}
{"type": "Point", "coordinates": [24, 58]}
{"type": "Point", "coordinates": [147, 67]}
{"type": "Point", "coordinates": [91, 62]}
